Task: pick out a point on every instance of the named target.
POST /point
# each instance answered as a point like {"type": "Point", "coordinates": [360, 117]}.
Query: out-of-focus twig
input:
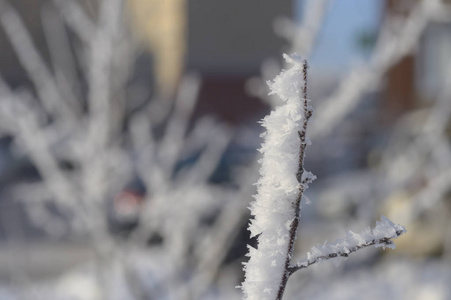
{"type": "Point", "coordinates": [393, 44]}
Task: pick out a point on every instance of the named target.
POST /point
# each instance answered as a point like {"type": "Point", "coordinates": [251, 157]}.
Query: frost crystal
{"type": "Point", "coordinates": [277, 187]}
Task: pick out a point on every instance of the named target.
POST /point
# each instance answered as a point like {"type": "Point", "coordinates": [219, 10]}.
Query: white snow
{"type": "Point", "coordinates": [277, 188]}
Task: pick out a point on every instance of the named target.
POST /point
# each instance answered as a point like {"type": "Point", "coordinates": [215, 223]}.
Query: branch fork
{"type": "Point", "coordinates": [284, 178]}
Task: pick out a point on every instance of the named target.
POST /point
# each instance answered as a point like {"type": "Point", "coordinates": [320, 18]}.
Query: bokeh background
{"type": "Point", "coordinates": [129, 144]}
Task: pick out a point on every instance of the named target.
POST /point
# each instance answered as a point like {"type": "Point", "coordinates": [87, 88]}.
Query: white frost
{"type": "Point", "coordinates": [378, 236]}
{"type": "Point", "coordinates": [277, 188]}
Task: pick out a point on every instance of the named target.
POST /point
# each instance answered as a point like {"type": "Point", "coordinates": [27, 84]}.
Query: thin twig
{"type": "Point", "coordinates": [77, 19]}
{"type": "Point", "coordinates": [386, 241]}
{"type": "Point", "coordinates": [33, 63]}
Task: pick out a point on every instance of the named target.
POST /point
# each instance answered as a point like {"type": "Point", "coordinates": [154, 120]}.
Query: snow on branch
{"type": "Point", "coordinates": [282, 182]}
{"type": "Point", "coordinates": [379, 236]}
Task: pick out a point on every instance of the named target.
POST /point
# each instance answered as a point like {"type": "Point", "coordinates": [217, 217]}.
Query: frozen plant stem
{"type": "Point", "coordinates": [308, 111]}
{"type": "Point", "coordinates": [283, 181]}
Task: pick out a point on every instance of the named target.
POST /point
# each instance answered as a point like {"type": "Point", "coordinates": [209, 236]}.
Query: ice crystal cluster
{"type": "Point", "coordinates": [277, 188]}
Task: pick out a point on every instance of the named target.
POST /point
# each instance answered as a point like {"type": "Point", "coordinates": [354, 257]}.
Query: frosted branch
{"type": "Point", "coordinates": [28, 130]}
{"type": "Point", "coordinates": [281, 185]}
{"type": "Point", "coordinates": [62, 60]}
{"type": "Point", "coordinates": [210, 156]}
{"type": "Point", "coordinates": [76, 19]}
{"type": "Point", "coordinates": [33, 62]}
{"type": "Point", "coordinates": [301, 178]}
{"type": "Point", "coordinates": [172, 143]}
{"type": "Point", "coordinates": [379, 236]}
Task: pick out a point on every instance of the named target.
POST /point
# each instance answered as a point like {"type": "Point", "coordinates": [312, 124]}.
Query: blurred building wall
{"type": "Point", "coordinates": [434, 59]}
{"type": "Point", "coordinates": [161, 25]}
{"type": "Point", "coordinates": [417, 78]}
{"type": "Point", "coordinates": [233, 37]}
{"type": "Point", "coordinates": [225, 42]}
{"type": "Point", "coordinates": [400, 94]}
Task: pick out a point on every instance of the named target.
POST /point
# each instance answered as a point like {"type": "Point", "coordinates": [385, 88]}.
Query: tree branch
{"type": "Point", "coordinates": [380, 236]}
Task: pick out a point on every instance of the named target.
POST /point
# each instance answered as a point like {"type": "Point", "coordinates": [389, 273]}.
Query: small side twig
{"type": "Point", "coordinates": [307, 262]}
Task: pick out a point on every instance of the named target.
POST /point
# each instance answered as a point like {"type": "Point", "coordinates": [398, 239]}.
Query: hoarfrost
{"type": "Point", "coordinates": [379, 236]}
{"type": "Point", "coordinates": [278, 187]}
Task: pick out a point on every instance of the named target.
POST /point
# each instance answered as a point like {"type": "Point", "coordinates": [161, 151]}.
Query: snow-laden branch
{"type": "Point", "coordinates": [276, 208]}
{"type": "Point", "coordinates": [379, 236]}
{"type": "Point", "coordinates": [281, 186]}
{"type": "Point", "coordinates": [77, 19]}
{"type": "Point", "coordinates": [33, 62]}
